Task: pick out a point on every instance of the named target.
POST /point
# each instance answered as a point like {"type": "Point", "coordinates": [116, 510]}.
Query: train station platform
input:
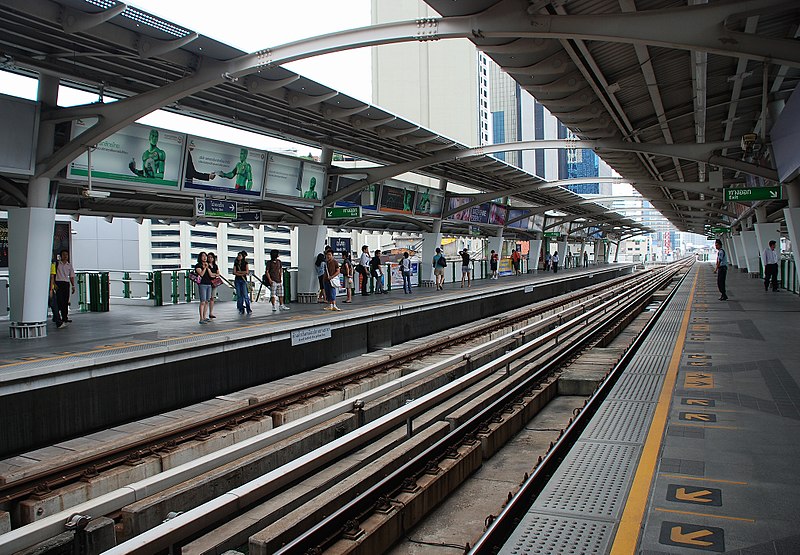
{"type": "Point", "coordinates": [695, 448]}
{"type": "Point", "coordinates": [135, 362]}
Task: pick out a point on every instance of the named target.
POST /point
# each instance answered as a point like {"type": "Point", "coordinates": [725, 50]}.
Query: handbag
{"type": "Point", "coordinates": [216, 282]}
{"type": "Point", "coordinates": [195, 277]}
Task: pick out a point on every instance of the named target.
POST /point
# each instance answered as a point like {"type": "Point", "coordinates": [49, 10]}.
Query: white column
{"type": "Point", "coordinates": [740, 255]}
{"type": "Point", "coordinates": [793, 225]}
{"type": "Point", "coordinates": [494, 244]}
{"type": "Point", "coordinates": [430, 241]}
{"type": "Point", "coordinates": [310, 242]}
{"type": "Point", "coordinates": [730, 242]}
{"type": "Point", "coordinates": [30, 237]}
{"type": "Point", "coordinates": [750, 251]}
{"type": "Point", "coordinates": [562, 253]}
{"type": "Point", "coordinates": [534, 249]}
{"type": "Point", "coordinates": [583, 250]}
{"type": "Point", "coordinates": [599, 252]}
{"type": "Point", "coordinates": [765, 233]}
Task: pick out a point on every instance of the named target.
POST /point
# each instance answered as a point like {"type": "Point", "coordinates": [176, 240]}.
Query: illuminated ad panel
{"type": "Point", "coordinates": [213, 167]}
{"type": "Point", "coordinates": [137, 157]}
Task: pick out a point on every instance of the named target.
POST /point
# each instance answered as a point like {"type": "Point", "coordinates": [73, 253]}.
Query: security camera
{"type": "Point", "coordinates": [748, 141]}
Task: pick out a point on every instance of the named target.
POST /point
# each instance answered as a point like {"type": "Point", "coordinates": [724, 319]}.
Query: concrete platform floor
{"type": "Point", "coordinates": [726, 479]}
{"type": "Point", "coordinates": [127, 327]}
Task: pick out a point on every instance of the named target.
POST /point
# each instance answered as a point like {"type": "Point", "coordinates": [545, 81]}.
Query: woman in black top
{"type": "Point", "coordinates": [213, 271]}
{"type": "Point", "coordinates": [347, 274]}
{"type": "Point", "coordinates": [241, 271]}
{"type": "Point", "coordinates": [204, 287]}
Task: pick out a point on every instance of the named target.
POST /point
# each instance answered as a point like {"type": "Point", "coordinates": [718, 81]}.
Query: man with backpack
{"type": "Point", "coordinates": [439, 264]}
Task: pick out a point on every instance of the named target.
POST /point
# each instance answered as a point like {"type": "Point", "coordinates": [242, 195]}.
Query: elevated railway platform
{"type": "Point", "coordinates": [695, 447]}
{"type": "Point", "coordinates": [132, 363]}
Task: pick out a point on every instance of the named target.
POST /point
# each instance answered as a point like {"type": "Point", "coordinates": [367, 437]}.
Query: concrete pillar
{"type": "Point", "coordinates": [494, 244]}
{"type": "Point", "coordinates": [730, 247]}
{"type": "Point", "coordinates": [430, 241]}
{"type": "Point", "coordinates": [599, 252]}
{"type": "Point", "coordinates": [740, 254]}
{"type": "Point", "coordinates": [616, 251]}
{"type": "Point", "coordinates": [750, 250]}
{"type": "Point", "coordinates": [310, 242]}
{"type": "Point", "coordinates": [562, 253]}
{"type": "Point", "coordinates": [793, 225]}
{"type": "Point", "coordinates": [534, 249]}
{"type": "Point", "coordinates": [39, 187]}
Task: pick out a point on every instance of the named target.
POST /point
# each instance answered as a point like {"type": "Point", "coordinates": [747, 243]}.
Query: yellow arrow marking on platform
{"type": "Point", "coordinates": [699, 380]}
{"type": "Point", "coordinates": [698, 496]}
{"type": "Point", "coordinates": [697, 416]}
{"type": "Point", "coordinates": [690, 538]}
{"type": "Point", "coordinates": [701, 402]}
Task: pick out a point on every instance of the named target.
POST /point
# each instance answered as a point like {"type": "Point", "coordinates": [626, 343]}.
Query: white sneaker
{"type": "Point", "coordinates": [274, 308]}
{"type": "Point", "coordinates": [284, 307]}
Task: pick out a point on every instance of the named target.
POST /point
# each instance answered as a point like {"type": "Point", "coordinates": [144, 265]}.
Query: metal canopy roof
{"type": "Point", "coordinates": [644, 92]}
{"type": "Point", "coordinates": [133, 52]}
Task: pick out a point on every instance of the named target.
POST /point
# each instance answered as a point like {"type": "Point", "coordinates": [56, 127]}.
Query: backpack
{"type": "Point", "coordinates": [442, 262]}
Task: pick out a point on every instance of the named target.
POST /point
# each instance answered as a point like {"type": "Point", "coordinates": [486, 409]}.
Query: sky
{"type": "Point", "coordinates": [250, 26]}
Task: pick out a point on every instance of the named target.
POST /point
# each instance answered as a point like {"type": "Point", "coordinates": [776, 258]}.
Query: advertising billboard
{"type": "Point", "coordinates": [430, 202]}
{"type": "Point", "coordinates": [498, 214]}
{"type": "Point", "coordinates": [518, 219]}
{"type": "Point", "coordinates": [397, 200]}
{"type": "Point", "coordinates": [312, 182]}
{"type": "Point", "coordinates": [366, 198]}
{"type": "Point", "coordinates": [223, 168]}
{"type": "Point", "coordinates": [283, 176]}
{"type": "Point", "coordinates": [138, 156]}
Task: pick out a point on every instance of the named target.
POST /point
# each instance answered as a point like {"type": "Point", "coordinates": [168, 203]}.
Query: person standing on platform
{"type": "Point", "coordinates": [319, 266]}
{"type": "Point", "coordinates": [213, 270]}
{"type": "Point", "coordinates": [547, 261]}
{"type": "Point", "coordinates": [241, 271]}
{"type": "Point", "coordinates": [331, 277]}
{"type": "Point", "coordinates": [65, 275]}
{"type": "Point", "coordinates": [377, 272]}
{"type": "Point", "coordinates": [52, 297]}
{"type": "Point", "coordinates": [585, 259]}
{"type": "Point", "coordinates": [204, 287]}
{"type": "Point", "coordinates": [465, 268]}
{"type": "Point", "coordinates": [554, 261]}
{"type": "Point", "coordinates": [493, 261]}
{"type": "Point", "coordinates": [721, 269]}
{"type": "Point", "coordinates": [363, 270]}
{"type": "Point", "coordinates": [439, 264]}
{"type": "Point", "coordinates": [347, 275]}
{"type": "Point", "coordinates": [274, 275]}
{"type": "Point", "coordinates": [405, 270]}
{"type": "Point", "coordinates": [516, 258]}
{"type": "Point", "coordinates": [770, 259]}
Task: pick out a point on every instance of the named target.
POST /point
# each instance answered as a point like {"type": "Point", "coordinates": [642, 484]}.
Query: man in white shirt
{"type": "Point", "coordinates": [770, 258]}
{"type": "Point", "coordinates": [363, 269]}
{"type": "Point", "coordinates": [65, 275]}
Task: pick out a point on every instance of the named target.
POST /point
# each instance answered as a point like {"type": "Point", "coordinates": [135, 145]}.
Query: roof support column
{"type": "Point", "coordinates": [30, 231]}
{"type": "Point", "coordinates": [310, 240]}
{"type": "Point", "coordinates": [534, 252]}
{"type": "Point", "coordinates": [750, 244]}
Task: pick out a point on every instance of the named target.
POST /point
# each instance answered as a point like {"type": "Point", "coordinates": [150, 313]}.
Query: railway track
{"type": "Point", "coordinates": [559, 329]}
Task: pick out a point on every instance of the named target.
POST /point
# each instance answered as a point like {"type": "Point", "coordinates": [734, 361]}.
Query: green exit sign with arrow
{"type": "Point", "coordinates": [343, 212]}
{"type": "Point", "coordinates": [720, 230]}
{"type": "Point", "coordinates": [753, 194]}
{"type": "Point", "coordinates": [552, 234]}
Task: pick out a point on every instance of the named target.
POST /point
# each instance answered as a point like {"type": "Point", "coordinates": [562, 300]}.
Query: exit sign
{"type": "Point", "coordinates": [554, 234]}
{"type": "Point", "coordinates": [343, 212]}
{"type": "Point", "coordinates": [753, 194]}
{"type": "Point", "coordinates": [720, 230]}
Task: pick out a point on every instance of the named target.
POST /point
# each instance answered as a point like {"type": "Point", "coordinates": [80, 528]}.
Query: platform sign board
{"type": "Point", "coordinates": [343, 212]}
{"type": "Point", "coordinates": [340, 244]}
{"type": "Point", "coordinates": [251, 216]}
{"type": "Point", "coordinates": [214, 209]}
{"type": "Point", "coordinates": [552, 234]}
{"type": "Point", "coordinates": [720, 230]}
{"type": "Point", "coordinates": [137, 157]}
{"type": "Point", "coordinates": [309, 335]}
{"type": "Point", "coordinates": [223, 168]}
{"type": "Point", "coordinates": [283, 177]}
{"type": "Point", "coordinates": [752, 194]}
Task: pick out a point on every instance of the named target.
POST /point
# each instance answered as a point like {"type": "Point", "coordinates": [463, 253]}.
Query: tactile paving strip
{"type": "Point", "coordinates": [546, 534]}
{"type": "Point", "coordinates": [622, 421]}
{"type": "Point", "coordinates": [637, 387]}
{"type": "Point", "coordinates": [650, 363]}
{"type": "Point", "coordinates": [592, 481]}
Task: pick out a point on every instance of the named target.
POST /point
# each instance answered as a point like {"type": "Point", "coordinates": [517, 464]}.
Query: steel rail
{"type": "Point", "coordinates": [327, 530]}
{"type": "Point", "coordinates": [507, 521]}
{"type": "Point", "coordinates": [71, 472]}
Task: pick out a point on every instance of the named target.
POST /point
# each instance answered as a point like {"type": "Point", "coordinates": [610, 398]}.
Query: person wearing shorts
{"type": "Point", "coordinates": [439, 265]}
{"type": "Point", "coordinates": [204, 287]}
{"type": "Point", "coordinates": [274, 274]}
{"type": "Point", "coordinates": [465, 268]}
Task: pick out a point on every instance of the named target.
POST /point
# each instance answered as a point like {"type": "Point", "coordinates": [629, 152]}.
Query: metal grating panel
{"type": "Point", "coordinates": [638, 387]}
{"type": "Point", "coordinates": [661, 348]}
{"type": "Point", "coordinates": [623, 421]}
{"type": "Point", "coordinates": [558, 535]}
{"type": "Point", "coordinates": [651, 363]}
{"type": "Point", "coordinates": [592, 481]}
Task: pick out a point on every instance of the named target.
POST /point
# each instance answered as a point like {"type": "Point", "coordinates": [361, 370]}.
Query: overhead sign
{"type": "Point", "coordinates": [340, 244]}
{"type": "Point", "coordinates": [223, 168]}
{"type": "Point", "coordinates": [343, 212]}
{"type": "Point", "coordinates": [250, 216]}
{"type": "Point", "coordinates": [751, 194]}
{"type": "Point", "coordinates": [210, 208]}
{"type": "Point", "coordinates": [553, 234]}
{"type": "Point", "coordinates": [720, 230]}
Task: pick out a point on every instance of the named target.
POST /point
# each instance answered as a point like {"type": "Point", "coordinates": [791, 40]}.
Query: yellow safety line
{"type": "Point", "coordinates": [699, 479]}
{"type": "Point", "coordinates": [627, 535]}
{"type": "Point", "coordinates": [704, 515]}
